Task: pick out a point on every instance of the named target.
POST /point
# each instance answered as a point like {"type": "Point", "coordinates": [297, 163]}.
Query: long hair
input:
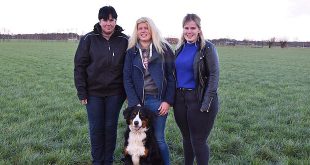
{"type": "Point", "coordinates": [157, 40]}
{"type": "Point", "coordinates": [197, 20]}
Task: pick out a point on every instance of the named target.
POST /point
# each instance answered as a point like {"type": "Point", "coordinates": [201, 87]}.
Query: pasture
{"type": "Point", "coordinates": [264, 116]}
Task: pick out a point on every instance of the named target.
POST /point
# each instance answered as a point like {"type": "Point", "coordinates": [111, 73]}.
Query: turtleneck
{"type": "Point", "coordinates": [184, 66]}
{"type": "Point", "coordinates": [190, 44]}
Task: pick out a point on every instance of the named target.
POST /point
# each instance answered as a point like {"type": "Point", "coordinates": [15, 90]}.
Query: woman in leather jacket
{"type": "Point", "coordinates": [196, 102]}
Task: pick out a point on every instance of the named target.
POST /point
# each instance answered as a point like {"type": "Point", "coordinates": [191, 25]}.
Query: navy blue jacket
{"type": "Point", "coordinates": [161, 68]}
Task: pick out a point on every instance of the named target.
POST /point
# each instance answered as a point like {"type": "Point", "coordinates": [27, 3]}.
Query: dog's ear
{"type": "Point", "coordinates": [127, 112]}
{"type": "Point", "coordinates": [150, 114]}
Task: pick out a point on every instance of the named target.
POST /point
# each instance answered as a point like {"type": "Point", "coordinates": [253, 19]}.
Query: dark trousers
{"type": "Point", "coordinates": [194, 125]}
{"type": "Point", "coordinates": [103, 115]}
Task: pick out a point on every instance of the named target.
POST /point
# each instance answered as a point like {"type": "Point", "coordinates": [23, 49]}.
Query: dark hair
{"type": "Point", "coordinates": [105, 12]}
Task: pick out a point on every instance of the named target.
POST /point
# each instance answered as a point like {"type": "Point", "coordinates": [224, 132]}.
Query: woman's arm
{"type": "Point", "coordinates": [170, 76]}
{"type": "Point", "coordinates": [81, 61]}
{"type": "Point", "coordinates": [132, 97]}
{"type": "Point", "coordinates": [213, 78]}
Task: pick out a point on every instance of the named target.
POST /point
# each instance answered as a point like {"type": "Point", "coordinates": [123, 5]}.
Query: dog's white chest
{"type": "Point", "coordinates": [135, 146]}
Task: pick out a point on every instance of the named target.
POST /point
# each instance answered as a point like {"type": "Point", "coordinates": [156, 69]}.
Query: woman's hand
{"type": "Point", "coordinates": [84, 102]}
{"type": "Point", "coordinates": [163, 108]}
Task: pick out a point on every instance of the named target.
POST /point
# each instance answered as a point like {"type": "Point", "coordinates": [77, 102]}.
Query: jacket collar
{"type": "Point", "coordinates": [117, 31]}
{"type": "Point", "coordinates": [177, 52]}
{"type": "Point", "coordinates": [154, 53]}
{"type": "Point", "coordinates": [137, 57]}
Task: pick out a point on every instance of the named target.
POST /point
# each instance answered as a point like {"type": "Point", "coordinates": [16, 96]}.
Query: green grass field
{"type": "Point", "coordinates": [264, 116]}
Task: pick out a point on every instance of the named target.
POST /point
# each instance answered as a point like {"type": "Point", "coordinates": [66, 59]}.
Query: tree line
{"type": "Point", "coordinates": [41, 36]}
{"type": "Point", "coordinates": [272, 42]}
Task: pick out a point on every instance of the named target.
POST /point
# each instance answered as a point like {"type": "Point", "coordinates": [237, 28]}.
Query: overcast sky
{"type": "Point", "coordinates": [238, 19]}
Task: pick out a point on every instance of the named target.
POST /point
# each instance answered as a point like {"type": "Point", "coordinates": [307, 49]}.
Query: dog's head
{"type": "Point", "coordinates": [138, 117]}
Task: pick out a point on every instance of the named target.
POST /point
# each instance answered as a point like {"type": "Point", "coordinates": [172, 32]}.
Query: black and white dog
{"type": "Point", "coordinates": [140, 147]}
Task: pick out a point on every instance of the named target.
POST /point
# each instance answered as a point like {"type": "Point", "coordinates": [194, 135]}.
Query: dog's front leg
{"type": "Point", "coordinates": [145, 159]}
{"type": "Point", "coordinates": [127, 158]}
{"type": "Point", "coordinates": [125, 151]}
{"type": "Point", "coordinates": [146, 152]}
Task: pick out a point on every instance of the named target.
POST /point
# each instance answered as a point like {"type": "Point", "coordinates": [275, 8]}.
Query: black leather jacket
{"type": "Point", "coordinates": [206, 73]}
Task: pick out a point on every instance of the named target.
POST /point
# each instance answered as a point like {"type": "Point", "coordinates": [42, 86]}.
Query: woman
{"type": "Point", "coordinates": [196, 102]}
{"type": "Point", "coordinates": [98, 75]}
{"type": "Point", "coordinates": [148, 76]}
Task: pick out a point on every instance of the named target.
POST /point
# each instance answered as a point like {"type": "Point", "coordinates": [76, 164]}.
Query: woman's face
{"type": "Point", "coordinates": [144, 33]}
{"type": "Point", "coordinates": [108, 25]}
{"type": "Point", "coordinates": [191, 31]}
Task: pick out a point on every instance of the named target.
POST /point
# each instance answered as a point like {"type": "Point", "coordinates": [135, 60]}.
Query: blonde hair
{"type": "Point", "coordinates": [157, 40]}
{"type": "Point", "coordinates": [197, 20]}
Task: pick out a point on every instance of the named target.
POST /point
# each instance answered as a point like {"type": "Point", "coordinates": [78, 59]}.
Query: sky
{"type": "Point", "coordinates": [234, 19]}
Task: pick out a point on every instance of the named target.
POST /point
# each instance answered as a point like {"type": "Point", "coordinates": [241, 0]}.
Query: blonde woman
{"type": "Point", "coordinates": [148, 76]}
{"type": "Point", "coordinates": [196, 102]}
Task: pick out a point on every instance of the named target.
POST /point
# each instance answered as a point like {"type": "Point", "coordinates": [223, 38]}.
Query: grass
{"type": "Point", "coordinates": [264, 116]}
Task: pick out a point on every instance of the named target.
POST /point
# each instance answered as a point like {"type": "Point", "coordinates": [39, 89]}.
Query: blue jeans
{"type": "Point", "coordinates": [103, 115]}
{"type": "Point", "coordinates": [159, 123]}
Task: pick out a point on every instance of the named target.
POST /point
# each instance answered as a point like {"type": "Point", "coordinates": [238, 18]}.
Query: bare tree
{"type": "Point", "coordinates": [271, 42]}
{"type": "Point", "coordinates": [283, 43]}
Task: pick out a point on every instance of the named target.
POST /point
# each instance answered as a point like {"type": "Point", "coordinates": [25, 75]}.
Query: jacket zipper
{"type": "Point", "coordinates": [164, 78]}
{"type": "Point", "coordinates": [110, 59]}
{"type": "Point", "coordinates": [200, 74]}
{"type": "Point", "coordinates": [209, 104]}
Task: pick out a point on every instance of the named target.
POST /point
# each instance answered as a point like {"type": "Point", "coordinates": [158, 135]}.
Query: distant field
{"type": "Point", "coordinates": [264, 116]}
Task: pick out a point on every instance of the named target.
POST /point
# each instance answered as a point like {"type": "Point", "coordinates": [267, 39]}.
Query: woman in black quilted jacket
{"type": "Point", "coordinates": [98, 75]}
